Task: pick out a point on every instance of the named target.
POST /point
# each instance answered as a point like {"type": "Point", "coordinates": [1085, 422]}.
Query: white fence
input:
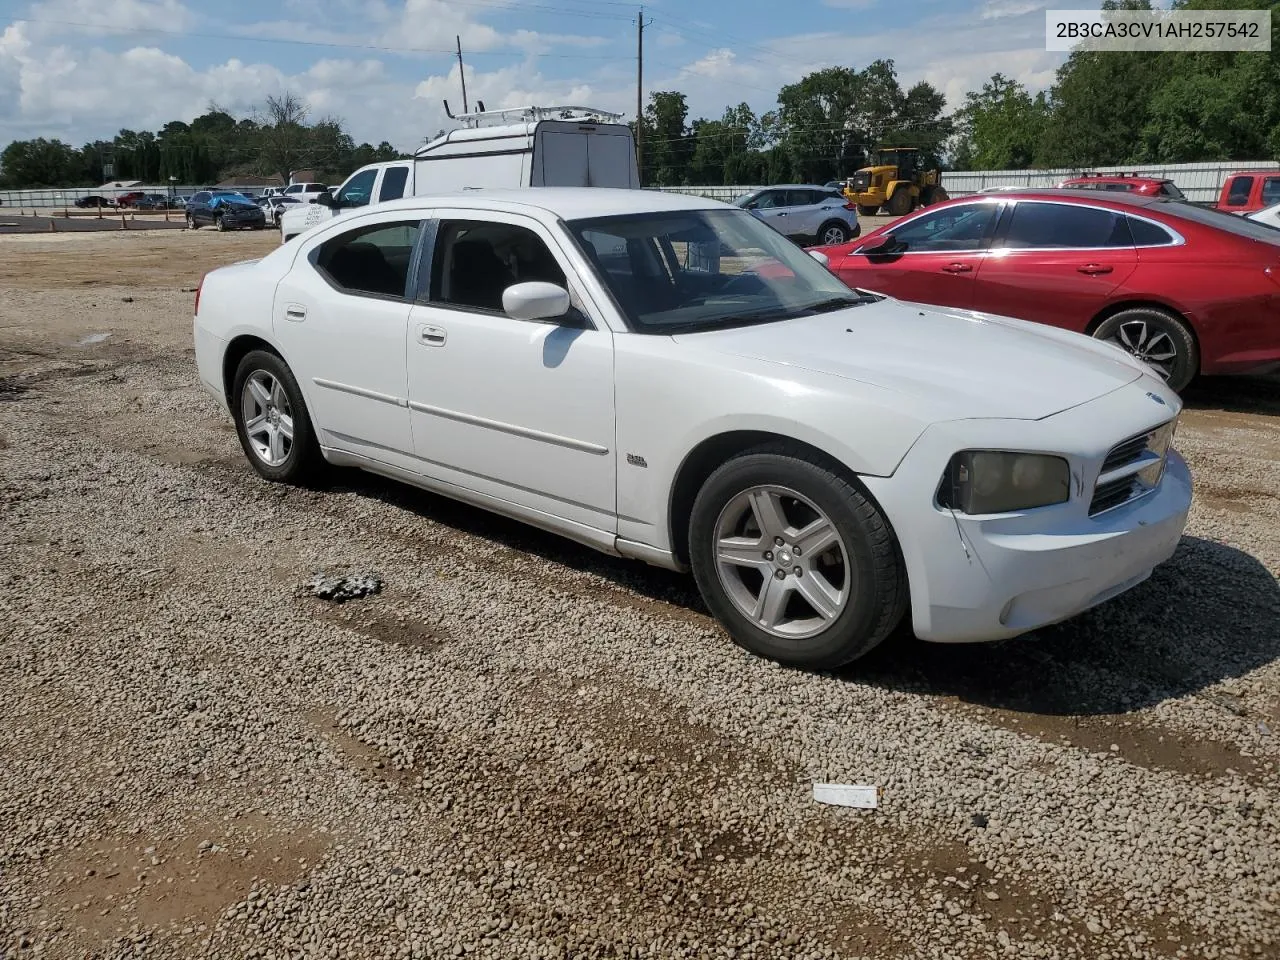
{"type": "Point", "coordinates": [1200, 182]}
{"type": "Point", "coordinates": [59, 197]}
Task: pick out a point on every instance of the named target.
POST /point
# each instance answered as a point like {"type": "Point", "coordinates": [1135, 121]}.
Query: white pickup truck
{"type": "Point", "coordinates": [525, 147]}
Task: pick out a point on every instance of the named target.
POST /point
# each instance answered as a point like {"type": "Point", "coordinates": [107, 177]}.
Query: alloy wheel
{"type": "Point", "coordinates": [782, 562]}
{"type": "Point", "coordinates": [832, 236]}
{"type": "Point", "coordinates": [268, 418]}
{"type": "Point", "coordinates": [1150, 344]}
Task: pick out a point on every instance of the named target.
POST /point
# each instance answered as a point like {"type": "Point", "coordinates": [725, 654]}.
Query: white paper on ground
{"type": "Point", "coordinates": [847, 795]}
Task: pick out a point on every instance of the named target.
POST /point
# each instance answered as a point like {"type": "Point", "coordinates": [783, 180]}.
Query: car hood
{"type": "Point", "coordinates": [961, 364]}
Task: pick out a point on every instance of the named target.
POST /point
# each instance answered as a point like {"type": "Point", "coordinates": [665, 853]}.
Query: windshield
{"type": "Point", "coordinates": [693, 270]}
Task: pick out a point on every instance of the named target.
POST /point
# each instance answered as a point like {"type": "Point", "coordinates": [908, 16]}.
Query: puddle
{"type": "Point", "coordinates": [92, 339]}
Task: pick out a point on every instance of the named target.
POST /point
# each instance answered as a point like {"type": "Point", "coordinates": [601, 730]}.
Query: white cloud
{"type": "Point", "coordinates": [67, 83]}
{"type": "Point", "coordinates": [516, 86]}
{"type": "Point", "coordinates": [1000, 9]}
{"type": "Point", "coordinates": [112, 15]}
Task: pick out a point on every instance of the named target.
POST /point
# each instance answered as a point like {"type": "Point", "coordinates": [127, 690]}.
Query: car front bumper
{"type": "Point", "coordinates": [977, 579]}
{"type": "Point", "coordinates": [238, 219]}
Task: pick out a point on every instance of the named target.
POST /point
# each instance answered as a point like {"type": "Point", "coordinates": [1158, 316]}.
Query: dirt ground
{"type": "Point", "coordinates": [522, 748]}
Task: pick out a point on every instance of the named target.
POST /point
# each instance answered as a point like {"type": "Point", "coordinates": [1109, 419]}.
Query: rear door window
{"type": "Point", "coordinates": [1270, 191]}
{"type": "Point", "coordinates": [1238, 192]}
{"type": "Point", "coordinates": [1065, 226]}
{"type": "Point", "coordinates": [370, 261]}
{"type": "Point", "coordinates": [393, 182]}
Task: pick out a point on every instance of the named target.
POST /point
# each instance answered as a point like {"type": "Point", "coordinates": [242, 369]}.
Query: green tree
{"type": "Point", "coordinates": [667, 144]}
{"type": "Point", "coordinates": [999, 127]}
{"type": "Point", "coordinates": [40, 163]}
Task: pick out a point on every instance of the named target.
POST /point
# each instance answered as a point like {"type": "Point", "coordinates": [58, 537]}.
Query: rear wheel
{"type": "Point", "coordinates": [1159, 339]}
{"type": "Point", "coordinates": [868, 210]}
{"type": "Point", "coordinates": [833, 232]}
{"type": "Point", "coordinates": [795, 561]}
{"type": "Point", "coordinates": [272, 422]}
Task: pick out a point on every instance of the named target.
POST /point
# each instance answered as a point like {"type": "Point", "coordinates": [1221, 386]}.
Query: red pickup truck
{"type": "Point", "coordinates": [1249, 190]}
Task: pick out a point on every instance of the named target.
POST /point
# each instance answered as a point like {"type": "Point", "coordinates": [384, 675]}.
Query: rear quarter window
{"type": "Point", "coordinates": [1147, 234]}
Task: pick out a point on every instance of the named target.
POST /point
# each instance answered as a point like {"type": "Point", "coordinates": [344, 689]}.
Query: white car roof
{"type": "Point", "coordinates": [568, 203]}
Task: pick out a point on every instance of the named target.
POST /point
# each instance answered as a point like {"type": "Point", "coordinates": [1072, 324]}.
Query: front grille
{"type": "Point", "coordinates": [1109, 495]}
{"type": "Point", "coordinates": [1132, 469]}
{"type": "Point", "coordinates": [860, 182]}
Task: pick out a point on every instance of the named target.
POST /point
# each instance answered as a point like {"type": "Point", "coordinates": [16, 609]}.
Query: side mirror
{"type": "Point", "coordinates": [535, 300]}
{"type": "Point", "coordinates": [881, 244]}
{"type": "Point", "coordinates": [326, 199]}
{"type": "Point", "coordinates": [820, 257]}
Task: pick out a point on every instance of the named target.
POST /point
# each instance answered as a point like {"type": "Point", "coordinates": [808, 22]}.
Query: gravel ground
{"type": "Point", "coordinates": [519, 748]}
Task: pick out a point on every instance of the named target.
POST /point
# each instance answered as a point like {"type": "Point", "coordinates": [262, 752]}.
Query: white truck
{"type": "Point", "coordinates": [520, 147]}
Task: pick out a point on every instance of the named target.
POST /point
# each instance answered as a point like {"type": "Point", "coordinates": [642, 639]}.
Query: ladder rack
{"type": "Point", "coordinates": [533, 113]}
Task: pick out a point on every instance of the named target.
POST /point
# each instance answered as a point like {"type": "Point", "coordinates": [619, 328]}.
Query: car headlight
{"type": "Point", "coordinates": [992, 481]}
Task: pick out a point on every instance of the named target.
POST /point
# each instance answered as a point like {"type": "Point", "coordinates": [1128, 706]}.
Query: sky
{"type": "Point", "coordinates": [81, 70]}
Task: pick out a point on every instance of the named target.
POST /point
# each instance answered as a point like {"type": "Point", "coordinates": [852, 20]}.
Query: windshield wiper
{"type": "Point", "coordinates": [837, 303]}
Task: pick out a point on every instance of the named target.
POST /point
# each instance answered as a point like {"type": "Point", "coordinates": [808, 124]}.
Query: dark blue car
{"type": "Point", "coordinates": [224, 209]}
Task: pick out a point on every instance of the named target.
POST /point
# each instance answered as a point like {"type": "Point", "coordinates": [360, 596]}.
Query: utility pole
{"type": "Point", "coordinates": [640, 25]}
{"type": "Point", "coordinates": [462, 74]}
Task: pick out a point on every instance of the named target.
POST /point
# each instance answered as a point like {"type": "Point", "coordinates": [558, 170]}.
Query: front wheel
{"type": "Point", "coordinates": [795, 560]}
{"type": "Point", "coordinates": [833, 233]}
{"type": "Point", "coordinates": [222, 224]}
{"type": "Point", "coordinates": [191, 223]}
{"type": "Point", "coordinates": [900, 202]}
{"type": "Point", "coordinates": [272, 422]}
{"type": "Point", "coordinates": [1160, 340]}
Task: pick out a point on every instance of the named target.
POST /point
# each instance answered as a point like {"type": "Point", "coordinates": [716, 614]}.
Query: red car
{"type": "Point", "coordinates": [1125, 183]}
{"type": "Point", "coordinates": [1186, 288]}
{"type": "Point", "coordinates": [129, 199]}
{"type": "Point", "coordinates": [1249, 190]}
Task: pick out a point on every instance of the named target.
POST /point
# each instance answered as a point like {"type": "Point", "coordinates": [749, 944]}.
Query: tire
{"type": "Point", "coordinates": [298, 461]}
{"type": "Point", "coordinates": [221, 224]}
{"type": "Point", "coordinates": [1161, 340]}
{"type": "Point", "coordinates": [868, 211]}
{"type": "Point", "coordinates": [833, 232]}
{"type": "Point", "coordinates": [858, 575]}
{"type": "Point", "coordinates": [191, 223]}
{"type": "Point", "coordinates": [932, 195]}
{"type": "Point", "coordinates": [900, 203]}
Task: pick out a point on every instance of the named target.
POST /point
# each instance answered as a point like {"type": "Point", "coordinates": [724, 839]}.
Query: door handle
{"type": "Point", "coordinates": [1094, 268]}
{"type": "Point", "coordinates": [295, 312]}
{"type": "Point", "coordinates": [958, 268]}
{"type": "Point", "coordinates": [431, 335]}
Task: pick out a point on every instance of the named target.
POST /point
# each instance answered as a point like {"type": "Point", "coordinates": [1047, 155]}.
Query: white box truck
{"type": "Point", "coordinates": [518, 147]}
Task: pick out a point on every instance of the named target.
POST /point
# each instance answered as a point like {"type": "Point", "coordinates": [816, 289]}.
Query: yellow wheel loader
{"type": "Point", "coordinates": [895, 183]}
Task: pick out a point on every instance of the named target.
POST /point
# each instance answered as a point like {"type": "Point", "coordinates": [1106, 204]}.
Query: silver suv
{"type": "Point", "coordinates": [804, 213]}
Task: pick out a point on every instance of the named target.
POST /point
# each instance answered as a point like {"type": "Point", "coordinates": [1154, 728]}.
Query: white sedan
{"type": "Point", "coordinates": [1268, 215]}
{"type": "Point", "coordinates": [667, 378]}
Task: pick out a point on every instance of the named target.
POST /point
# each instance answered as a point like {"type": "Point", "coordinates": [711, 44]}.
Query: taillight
{"type": "Point", "coordinates": [199, 287]}
{"type": "Point", "coordinates": [850, 205]}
